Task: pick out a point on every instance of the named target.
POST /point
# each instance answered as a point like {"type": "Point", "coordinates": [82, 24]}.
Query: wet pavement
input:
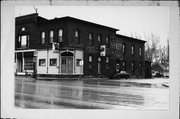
{"type": "Point", "coordinates": [103, 94]}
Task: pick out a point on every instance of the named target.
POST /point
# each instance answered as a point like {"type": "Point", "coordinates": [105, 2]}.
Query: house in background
{"type": "Point", "coordinates": [69, 47]}
{"type": "Point", "coordinates": [160, 69]}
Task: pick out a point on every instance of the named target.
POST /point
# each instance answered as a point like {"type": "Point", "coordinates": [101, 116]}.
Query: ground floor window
{"type": "Point", "coordinates": [124, 65]}
{"type": "Point", "coordinates": [99, 65]}
{"type": "Point", "coordinates": [78, 62]}
{"type": "Point", "coordinates": [53, 62]}
{"type": "Point", "coordinates": [117, 67]}
{"type": "Point", "coordinates": [42, 62]}
{"type": "Point", "coordinates": [107, 62]}
{"type": "Point", "coordinates": [90, 62]}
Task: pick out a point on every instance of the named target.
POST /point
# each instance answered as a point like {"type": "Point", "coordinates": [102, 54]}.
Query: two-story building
{"type": "Point", "coordinates": [69, 46]}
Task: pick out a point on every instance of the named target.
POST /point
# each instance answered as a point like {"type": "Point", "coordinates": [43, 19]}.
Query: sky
{"type": "Point", "coordinates": [131, 21]}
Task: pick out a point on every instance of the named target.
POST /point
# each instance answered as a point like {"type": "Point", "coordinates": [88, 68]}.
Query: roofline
{"type": "Point", "coordinates": [69, 17]}
{"type": "Point", "coordinates": [27, 15]}
{"type": "Point", "coordinates": [131, 38]}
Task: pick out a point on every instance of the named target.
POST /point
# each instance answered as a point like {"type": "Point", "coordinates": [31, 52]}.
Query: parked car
{"type": "Point", "coordinates": [121, 74]}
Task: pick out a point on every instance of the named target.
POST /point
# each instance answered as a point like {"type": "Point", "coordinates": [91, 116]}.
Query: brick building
{"type": "Point", "coordinates": [69, 46]}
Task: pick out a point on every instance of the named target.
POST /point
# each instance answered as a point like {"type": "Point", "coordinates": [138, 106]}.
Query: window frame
{"type": "Point", "coordinates": [43, 40]}
{"type": "Point", "coordinates": [51, 36]}
{"type": "Point", "coordinates": [50, 63]}
{"type": "Point", "coordinates": [90, 39]}
{"type": "Point", "coordinates": [90, 59]}
{"type": "Point", "coordinates": [107, 38]}
{"type": "Point", "coordinates": [44, 62]}
{"type": "Point", "coordinates": [132, 50]}
{"type": "Point", "coordinates": [78, 62]}
{"type": "Point", "coordinates": [140, 51]}
{"type": "Point", "coordinates": [77, 38]}
{"type": "Point", "coordinates": [60, 35]}
{"type": "Point", "coordinates": [133, 66]}
{"type": "Point", "coordinates": [107, 62]}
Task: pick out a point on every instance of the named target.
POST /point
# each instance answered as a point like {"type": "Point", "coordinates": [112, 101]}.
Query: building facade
{"type": "Point", "coordinates": [69, 46]}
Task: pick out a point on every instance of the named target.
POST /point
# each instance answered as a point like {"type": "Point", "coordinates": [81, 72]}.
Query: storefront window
{"type": "Point", "coordinates": [53, 62]}
{"type": "Point", "coordinates": [42, 62]}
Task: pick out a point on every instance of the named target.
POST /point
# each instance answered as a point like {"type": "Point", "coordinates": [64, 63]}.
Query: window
{"type": "Point", "coordinates": [90, 39]}
{"type": "Point", "coordinates": [23, 29]}
{"type": "Point", "coordinates": [42, 37]}
{"type": "Point", "coordinates": [51, 35]}
{"type": "Point", "coordinates": [117, 67]}
{"type": "Point", "coordinates": [132, 66]}
{"type": "Point", "coordinates": [42, 62]}
{"type": "Point", "coordinates": [141, 67]}
{"type": "Point", "coordinates": [140, 51]}
{"type": "Point", "coordinates": [78, 62]}
{"type": "Point", "coordinates": [124, 65]}
{"type": "Point", "coordinates": [107, 41]}
{"type": "Point", "coordinates": [76, 34]}
{"type": "Point", "coordinates": [99, 65]}
{"type": "Point", "coordinates": [60, 35]}
{"type": "Point", "coordinates": [132, 49]}
{"type": "Point", "coordinates": [107, 62]}
{"type": "Point", "coordinates": [23, 41]}
{"type": "Point", "coordinates": [53, 62]}
{"type": "Point", "coordinates": [99, 38]}
{"type": "Point", "coordinates": [90, 62]}
{"type": "Point", "coordinates": [124, 49]}
{"type": "Point", "coordinates": [77, 37]}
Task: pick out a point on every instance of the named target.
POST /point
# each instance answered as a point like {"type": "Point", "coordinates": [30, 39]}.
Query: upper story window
{"type": "Point", "coordinates": [23, 29]}
{"type": "Point", "coordinates": [60, 35]}
{"type": "Point", "coordinates": [51, 36]}
{"type": "Point", "coordinates": [90, 37]}
{"type": "Point", "coordinates": [43, 37]}
{"type": "Point", "coordinates": [124, 49]}
{"type": "Point", "coordinates": [107, 41]}
{"type": "Point", "coordinates": [140, 51]}
{"type": "Point", "coordinates": [77, 36]}
{"type": "Point", "coordinates": [132, 49]}
{"type": "Point", "coordinates": [99, 38]}
{"type": "Point", "coordinates": [23, 40]}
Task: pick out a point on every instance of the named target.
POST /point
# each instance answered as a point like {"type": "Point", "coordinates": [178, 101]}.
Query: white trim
{"type": "Point", "coordinates": [32, 50]}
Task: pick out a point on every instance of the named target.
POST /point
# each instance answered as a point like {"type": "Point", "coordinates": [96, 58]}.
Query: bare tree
{"type": "Point", "coordinates": [151, 46]}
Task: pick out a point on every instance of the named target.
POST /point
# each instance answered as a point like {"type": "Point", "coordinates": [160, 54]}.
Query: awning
{"type": "Point", "coordinates": [31, 50]}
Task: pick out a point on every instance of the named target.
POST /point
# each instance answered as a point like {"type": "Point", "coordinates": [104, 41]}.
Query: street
{"type": "Point", "coordinates": [91, 94]}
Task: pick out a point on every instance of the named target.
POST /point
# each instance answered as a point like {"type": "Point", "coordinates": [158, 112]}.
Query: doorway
{"type": "Point", "coordinates": [67, 63]}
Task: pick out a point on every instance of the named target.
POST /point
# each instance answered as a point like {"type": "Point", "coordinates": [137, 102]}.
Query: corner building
{"type": "Point", "coordinates": [69, 47]}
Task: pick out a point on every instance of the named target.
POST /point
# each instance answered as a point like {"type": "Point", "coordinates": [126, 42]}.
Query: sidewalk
{"type": "Point", "coordinates": [141, 81]}
{"type": "Point", "coordinates": [150, 81]}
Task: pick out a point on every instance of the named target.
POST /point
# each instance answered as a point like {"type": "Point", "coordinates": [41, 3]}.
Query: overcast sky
{"type": "Point", "coordinates": [129, 20]}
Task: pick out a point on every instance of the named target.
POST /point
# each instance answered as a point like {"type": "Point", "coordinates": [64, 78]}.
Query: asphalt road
{"type": "Point", "coordinates": [88, 94]}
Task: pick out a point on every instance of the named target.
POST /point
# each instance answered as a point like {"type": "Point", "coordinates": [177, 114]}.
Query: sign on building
{"type": "Point", "coordinates": [55, 47]}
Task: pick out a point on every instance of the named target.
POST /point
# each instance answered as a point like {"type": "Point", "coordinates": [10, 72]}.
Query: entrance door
{"type": "Point", "coordinates": [67, 65]}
